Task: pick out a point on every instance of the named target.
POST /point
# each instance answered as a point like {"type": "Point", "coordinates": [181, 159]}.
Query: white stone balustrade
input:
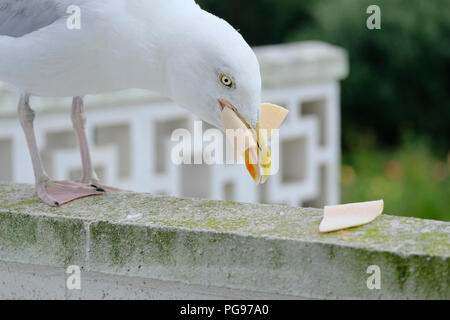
{"type": "Point", "coordinates": [129, 133]}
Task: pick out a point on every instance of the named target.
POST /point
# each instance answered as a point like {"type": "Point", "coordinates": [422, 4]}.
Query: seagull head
{"type": "Point", "coordinates": [211, 67]}
{"type": "Point", "coordinates": [210, 64]}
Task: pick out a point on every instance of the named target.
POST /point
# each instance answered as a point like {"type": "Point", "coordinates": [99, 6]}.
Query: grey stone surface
{"type": "Point", "coordinates": [215, 247]}
{"type": "Point", "coordinates": [28, 281]}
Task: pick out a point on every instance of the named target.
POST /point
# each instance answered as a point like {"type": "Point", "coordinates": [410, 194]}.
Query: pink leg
{"type": "Point", "coordinates": [79, 121]}
{"type": "Point", "coordinates": [51, 192]}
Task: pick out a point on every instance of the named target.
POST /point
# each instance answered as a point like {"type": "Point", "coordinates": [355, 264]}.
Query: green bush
{"type": "Point", "coordinates": [400, 75]}
{"type": "Point", "coordinates": [410, 179]}
{"type": "Point", "coordinates": [262, 21]}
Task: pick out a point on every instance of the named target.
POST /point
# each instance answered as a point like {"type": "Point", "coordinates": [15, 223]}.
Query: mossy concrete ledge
{"type": "Point", "coordinates": [131, 245]}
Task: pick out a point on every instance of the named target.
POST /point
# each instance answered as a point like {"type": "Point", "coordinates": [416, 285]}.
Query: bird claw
{"type": "Point", "coordinates": [97, 188]}
{"type": "Point", "coordinates": [57, 193]}
{"type": "Point", "coordinates": [94, 183]}
{"type": "Point", "coordinates": [45, 196]}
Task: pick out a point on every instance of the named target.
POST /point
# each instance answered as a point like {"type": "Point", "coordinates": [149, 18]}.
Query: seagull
{"type": "Point", "coordinates": [171, 47]}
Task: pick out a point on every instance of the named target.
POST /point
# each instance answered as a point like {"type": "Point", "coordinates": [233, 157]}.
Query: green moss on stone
{"type": "Point", "coordinates": [18, 230]}
{"type": "Point", "coordinates": [163, 241]}
{"type": "Point", "coordinates": [18, 204]}
{"type": "Point", "coordinates": [403, 274]}
{"type": "Point", "coordinates": [276, 256]}
{"type": "Point", "coordinates": [59, 240]}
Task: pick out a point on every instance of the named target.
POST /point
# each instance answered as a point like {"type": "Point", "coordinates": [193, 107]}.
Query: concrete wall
{"type": "Point", "coordinates": [131, 245]}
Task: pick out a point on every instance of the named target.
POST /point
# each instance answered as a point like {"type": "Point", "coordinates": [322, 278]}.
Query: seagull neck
{"type": "Point", "coordinates": [165, 40]}
{"type": "Point", "coordinates": [181, 46]}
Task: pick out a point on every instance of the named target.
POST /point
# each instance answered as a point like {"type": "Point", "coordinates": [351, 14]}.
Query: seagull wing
{"type": "Point", "coordinates": [20, 17]}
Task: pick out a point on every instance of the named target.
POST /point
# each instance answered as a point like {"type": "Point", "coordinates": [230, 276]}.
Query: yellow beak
{"type": "Point", "coordinates": [255, 149]}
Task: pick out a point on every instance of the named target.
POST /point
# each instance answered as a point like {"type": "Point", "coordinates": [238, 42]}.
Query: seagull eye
{"type": "Point", "coordinates": [226, 80]}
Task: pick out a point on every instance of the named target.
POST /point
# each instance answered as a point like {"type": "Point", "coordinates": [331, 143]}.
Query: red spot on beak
{"type": "Point", "coordinates": [250, 165]}
{"type": "Point", "coordinates": [251, 169]}
{"type": "Point", "coordinates": [222, 104]}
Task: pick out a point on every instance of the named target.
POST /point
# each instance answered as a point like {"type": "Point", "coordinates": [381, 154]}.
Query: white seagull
{"type": "Point", "coordinates": [171, 47]}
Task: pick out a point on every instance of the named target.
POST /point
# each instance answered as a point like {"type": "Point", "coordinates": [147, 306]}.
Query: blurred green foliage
{"type": "Point", "coordinates": [410, 179]}
{"type": "Point", "coordinates": [400, 75]}
{"type": "Point", "coordinates": [262, 21]}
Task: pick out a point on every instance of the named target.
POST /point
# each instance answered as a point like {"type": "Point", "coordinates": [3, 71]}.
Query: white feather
{"type": "Point", "coordinates": [171, 47]}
